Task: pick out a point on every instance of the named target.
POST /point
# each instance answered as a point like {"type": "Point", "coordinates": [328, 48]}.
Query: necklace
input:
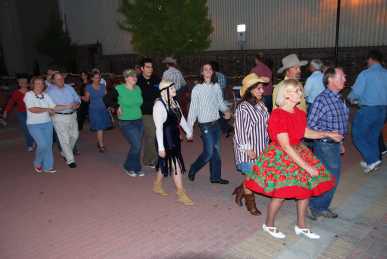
{"type": "Point", "coordinates": [41, 97]}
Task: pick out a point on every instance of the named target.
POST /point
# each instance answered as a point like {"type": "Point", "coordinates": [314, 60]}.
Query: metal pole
{"type": "Point", "coordinates": [337, 31]}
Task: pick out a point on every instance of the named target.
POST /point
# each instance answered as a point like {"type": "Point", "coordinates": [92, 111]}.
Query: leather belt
{"type": "Point", "coordinates": [64, 113]}
{"type": "Point", "coordinates": [209, 124]}
{"type": "Point", "coordinates": [327, 140]}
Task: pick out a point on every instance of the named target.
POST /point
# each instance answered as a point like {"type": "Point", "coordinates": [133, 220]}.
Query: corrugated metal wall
{"type": "Point", "coordinates": [270, 23]}
{"type": "Point", "coordinates": [298, 23]}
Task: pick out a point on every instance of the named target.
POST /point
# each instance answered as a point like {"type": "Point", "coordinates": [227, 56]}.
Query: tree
{"type": "Point", "coordinates": [166, 27]}
{"type": "Point", "coordinates": [55, 42]}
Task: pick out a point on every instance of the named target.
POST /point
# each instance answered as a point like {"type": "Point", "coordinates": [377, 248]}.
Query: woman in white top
{"type": "Point", "coordinates": [168, 117]}
{"type": "Point", "coordinates": [39, 108]}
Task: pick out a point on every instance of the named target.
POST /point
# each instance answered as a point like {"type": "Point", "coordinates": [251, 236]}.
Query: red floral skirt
{"type": "Point", "coordinates": [276, 175]}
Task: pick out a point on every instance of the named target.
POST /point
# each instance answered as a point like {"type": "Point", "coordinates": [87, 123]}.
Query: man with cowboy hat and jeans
{"type": "Point", "coordinates": [291, 65]}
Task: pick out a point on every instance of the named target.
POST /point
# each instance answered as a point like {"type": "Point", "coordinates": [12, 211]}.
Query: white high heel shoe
{"type": "Point", "coordinates": [273, 231]}
{"type": "Point", "coordinates": [306, 232]}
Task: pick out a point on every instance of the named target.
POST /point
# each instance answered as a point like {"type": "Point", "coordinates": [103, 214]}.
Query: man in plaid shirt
{"type": "Point", "coordinates": [328, 113]}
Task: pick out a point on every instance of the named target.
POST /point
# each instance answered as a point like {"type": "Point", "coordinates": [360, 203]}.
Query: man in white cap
{"type": "Point", "coordinates": [314, 84]}
{"type": "Point", "coordinates": [291, 65]}
{"type": "Point", "coordinates": [173, 74]}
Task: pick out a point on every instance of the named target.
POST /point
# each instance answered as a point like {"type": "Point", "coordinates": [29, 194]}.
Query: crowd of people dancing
{"type": "Point", "coordinates": [288, 138]}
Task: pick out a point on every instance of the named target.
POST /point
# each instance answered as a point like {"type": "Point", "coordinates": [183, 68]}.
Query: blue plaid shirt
{"type": "Point", "coordinates": [329, 113]}
{"type": "Point", "coordinates": [221, 80]}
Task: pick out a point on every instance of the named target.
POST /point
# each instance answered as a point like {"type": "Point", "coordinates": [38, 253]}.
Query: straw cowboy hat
{"type": "Point", "coordinates": [250, 80]}
{"type": "Point", "coordinates": [165, 84]}
{"type": "Point", "coordinates": [289, 61]}
{"type": "Point", "coordinates": [169, 60]}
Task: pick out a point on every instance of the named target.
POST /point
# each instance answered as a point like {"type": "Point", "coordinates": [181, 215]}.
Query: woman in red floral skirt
{"type": "Point", "coordinates": [287, 169]}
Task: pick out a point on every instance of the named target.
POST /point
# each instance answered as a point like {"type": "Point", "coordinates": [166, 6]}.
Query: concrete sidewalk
{"type": "Point", "coordinates": [96, 211]}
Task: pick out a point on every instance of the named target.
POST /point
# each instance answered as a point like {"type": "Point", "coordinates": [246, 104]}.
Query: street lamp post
{"type": "Point", "coordinates": [338, 10]}
{"type": "Point", "coordinates": [241, 31]}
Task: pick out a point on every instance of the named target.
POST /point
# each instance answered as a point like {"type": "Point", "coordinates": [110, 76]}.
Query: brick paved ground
{"type": "Point", "coordinates": [96, 211]}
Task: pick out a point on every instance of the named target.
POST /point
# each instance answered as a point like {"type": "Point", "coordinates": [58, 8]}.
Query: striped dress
{"type": "Point", "coordinates": [250, 130]}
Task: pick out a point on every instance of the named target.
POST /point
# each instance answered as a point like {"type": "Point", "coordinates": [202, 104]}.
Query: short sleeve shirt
{"type": "Point", "coordinates": [41, 101]}
{"type": "Point", "coordinates": [293, 123]}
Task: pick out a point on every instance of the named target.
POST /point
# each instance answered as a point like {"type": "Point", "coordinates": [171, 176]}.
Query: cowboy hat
{"type": "Point", "coordinates": [290, 61]}
{"type": "Point", "coordinates": [165, 84]}
{"type": "Point", "coordinates": [250, 80]}
{"type": "Point", "coordinates": [169, 60]}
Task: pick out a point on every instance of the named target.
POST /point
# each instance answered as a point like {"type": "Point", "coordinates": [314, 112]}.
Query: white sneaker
{"type": "Point", "coordinates": [50, 171]}
{"type": "Point", "coordinates": [140, 173]}
{"type": "Point", "coordinates": [273, 231]}
{"type": "Point", "coordinates": [384, 153]}
{"type": "Point", "coordinates": [306, 232]}
{"type": "Point", "coordinates": [363, 164]}
{"type": "Point", "coordinates": [130, 173]}
{"type": "Point", "coordinates": [372, 167]}
{"type": "Point", "coordinates": [38, 169]}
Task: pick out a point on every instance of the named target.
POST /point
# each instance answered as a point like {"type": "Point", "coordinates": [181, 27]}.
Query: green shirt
{"type": "Point", "coordinates": [130, 102]}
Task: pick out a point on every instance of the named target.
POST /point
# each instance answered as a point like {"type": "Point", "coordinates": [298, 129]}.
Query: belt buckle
{"type": "Point", "coordinates": [327, 140]}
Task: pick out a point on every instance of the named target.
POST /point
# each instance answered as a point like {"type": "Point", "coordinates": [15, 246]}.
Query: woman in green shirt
{"type": "Point", "coordinates": [127, 99]}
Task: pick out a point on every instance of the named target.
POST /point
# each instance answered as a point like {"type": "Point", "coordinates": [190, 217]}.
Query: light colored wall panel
{"type": "Point", "coordinates": [271, 24]}
{"type": "Point", "coordinates": [298, 23]}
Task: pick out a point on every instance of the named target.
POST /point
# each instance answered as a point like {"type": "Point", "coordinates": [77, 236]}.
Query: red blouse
{"type": "Point", "coordinates": [293, 123]}
{"type": "Point", "coordinates": [16, 97]}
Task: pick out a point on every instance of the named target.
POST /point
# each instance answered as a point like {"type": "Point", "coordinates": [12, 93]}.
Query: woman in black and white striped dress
{"type": "Point", "coordinates": [251, 136]}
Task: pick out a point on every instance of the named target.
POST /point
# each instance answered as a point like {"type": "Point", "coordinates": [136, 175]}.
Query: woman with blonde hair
{"type": "Point", "coordinates": [40, 107]}
{"type": "Point", "coordinates": [127, 99]}
{"type": "Point", "coordinates": [168, 117]}
{"type": "Point", "coordinates": [287, 169]}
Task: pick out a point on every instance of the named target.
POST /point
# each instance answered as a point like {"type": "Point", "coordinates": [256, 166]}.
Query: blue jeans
{"type": "Point", "coordinates": [366, 128]}
{"type": "Point", "coordinates": [211, 151]}
{"type": "Point", "coordinates": [133, 130]}
{"type": "Point", "coordinates": [22, 118]}
{"type": "Point", "coordinates": [329, 155]}
{"type": "Point", "coordinates": [244, 167]}
{"type": "Point", "coordinates": [42, 134]}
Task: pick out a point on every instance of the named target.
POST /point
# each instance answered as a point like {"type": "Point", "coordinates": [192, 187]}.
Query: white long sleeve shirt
{"type": "Point", "coordinates": [159, 117]}
{"type": "Point", "coordinates": [206, 102]}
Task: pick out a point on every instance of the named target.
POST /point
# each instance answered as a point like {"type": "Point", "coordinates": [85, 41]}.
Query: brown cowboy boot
{"type": "Point", "coordinates": [183, 197]}
{"type": "Point", "coordinates": [250, 204]}
{"type": "Point", "coordinates": [238, 192]}
{"type": "Point", "coordinates": [158, 188]}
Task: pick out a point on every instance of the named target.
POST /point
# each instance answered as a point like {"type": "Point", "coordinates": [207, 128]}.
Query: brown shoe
{"type": "Point", "coordinates": [238, 192]}
{"type": "Point", "coordinates": [183, 197]}
{"type": "Point", "coordinates": [158, 188]}
{"type": "Point", "coordinates": [250, 204]}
